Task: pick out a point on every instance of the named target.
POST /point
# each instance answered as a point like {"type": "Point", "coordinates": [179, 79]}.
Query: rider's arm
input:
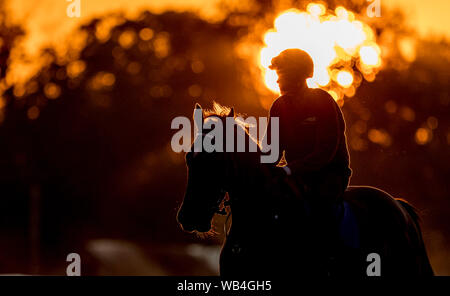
{"type": "Point", "coordinates": [274, 112]}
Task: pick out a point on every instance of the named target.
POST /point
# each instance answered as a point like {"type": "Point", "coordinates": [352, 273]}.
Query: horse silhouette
{"type": "Point", "coordinates": [277, 230]}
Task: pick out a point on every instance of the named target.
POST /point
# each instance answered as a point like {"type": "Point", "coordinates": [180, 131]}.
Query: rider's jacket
{"type": "Point", "coordinates": [311, 132]}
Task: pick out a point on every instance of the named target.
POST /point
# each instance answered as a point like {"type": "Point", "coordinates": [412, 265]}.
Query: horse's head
{"type": "Point", "coordinates": [206, 177]}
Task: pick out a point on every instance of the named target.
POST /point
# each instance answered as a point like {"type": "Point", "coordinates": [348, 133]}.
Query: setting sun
{"type": "Point", "coordinates": [332, 38]}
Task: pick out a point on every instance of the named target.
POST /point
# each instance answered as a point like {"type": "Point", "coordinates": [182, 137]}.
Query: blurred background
{"type": "Point", "coordinates": [86, 105]}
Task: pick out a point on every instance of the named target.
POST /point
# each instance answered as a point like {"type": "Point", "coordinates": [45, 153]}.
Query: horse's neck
{"type": "Point", "coordinates": [246, 175]}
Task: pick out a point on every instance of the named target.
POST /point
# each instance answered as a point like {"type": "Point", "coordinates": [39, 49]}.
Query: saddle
{"type": "Point", "coordinates": [347, 221]}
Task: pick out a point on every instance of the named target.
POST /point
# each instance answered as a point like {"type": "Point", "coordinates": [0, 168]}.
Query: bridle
{"type": "Point", "coordinates": [229, 158]}
{"type": "Point", "coordinates": [230, 167]}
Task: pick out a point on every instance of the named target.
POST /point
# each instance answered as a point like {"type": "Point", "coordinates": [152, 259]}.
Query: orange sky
{"type": "Point", "coordinates": [46, 21]}
{"type": "Point", "coordinates": [427, 16]}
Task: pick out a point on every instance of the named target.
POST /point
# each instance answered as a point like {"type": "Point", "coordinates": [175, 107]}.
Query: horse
{"type": "Point", "coordinates": [275, 230]}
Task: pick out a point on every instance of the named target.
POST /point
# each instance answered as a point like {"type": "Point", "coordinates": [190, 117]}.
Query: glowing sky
{"type": "Point", "coordinates": [330, 38]}
{"type": "Point", "coordinates": [47, 18]}
{"type": "Point", "coordinates": [426, 17]}
{"type": "Point", "coordinates": [46, 21]}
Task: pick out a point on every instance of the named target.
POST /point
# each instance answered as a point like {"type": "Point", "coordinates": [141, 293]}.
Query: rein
{"type": "Point", "coordinates": [223, 191]}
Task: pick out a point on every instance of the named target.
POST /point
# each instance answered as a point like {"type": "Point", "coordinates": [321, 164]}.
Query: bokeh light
{"type": "Point", "coordinates": [332, 39]}
{"type": "Point", "coordinates": [423, 136]}
{"type": "Point", "coordinates": [370, 55]}
{"type": "Point", "coordinates": [344, 78]}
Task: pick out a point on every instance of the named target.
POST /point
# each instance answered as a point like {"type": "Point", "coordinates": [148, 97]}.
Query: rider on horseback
{"type": "Point", "coordinates": [312, 130]}
{"type": "Point", "coordinates": [300, 220]}
{"type": "Point", "coordinates": [312, 137]}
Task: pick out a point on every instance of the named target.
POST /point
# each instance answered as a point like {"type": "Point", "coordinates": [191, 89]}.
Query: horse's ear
{"type": "Point", "coordinates": [197, 109]}
{"type": "Point", "coordinates": [231, 114]}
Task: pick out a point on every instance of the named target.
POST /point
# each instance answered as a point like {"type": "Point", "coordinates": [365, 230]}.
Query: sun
{"type": "Point", "coordinates": [341, 47]}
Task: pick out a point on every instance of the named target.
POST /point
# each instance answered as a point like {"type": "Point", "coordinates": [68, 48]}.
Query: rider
{"type": "Point", "coordinates": [311, 130]}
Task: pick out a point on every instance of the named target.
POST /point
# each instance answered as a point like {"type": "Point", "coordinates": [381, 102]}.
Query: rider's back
{"type": "Point", "coordinates": [312, 131]}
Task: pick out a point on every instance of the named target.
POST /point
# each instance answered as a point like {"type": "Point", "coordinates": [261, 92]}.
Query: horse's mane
{"type": "Point", "coordinates": [222, 111]}
{"type": "Point", "coordinates": [217, 110]}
